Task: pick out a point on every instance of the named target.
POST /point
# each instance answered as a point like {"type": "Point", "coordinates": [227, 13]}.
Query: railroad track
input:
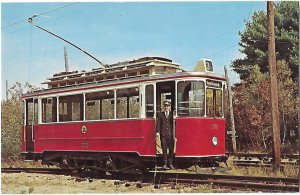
{"type": "Point", "coordinates": [158, 179]}
{"type": "Point", "coordinates": [245, 183]}
{"type": "Point", "coordinates": [262, 159]}
{"type": "Point", "coordinates": [54, 171]}
{"type": "Point", "coordinates": [238, 182]}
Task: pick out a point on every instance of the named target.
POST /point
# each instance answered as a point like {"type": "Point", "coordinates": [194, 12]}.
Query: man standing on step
{"type": "Point", "coordinates": [164, 128]}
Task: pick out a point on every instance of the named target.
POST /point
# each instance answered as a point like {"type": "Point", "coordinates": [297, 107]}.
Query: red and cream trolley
{"type": "Point", "coordinates": [104, 119]}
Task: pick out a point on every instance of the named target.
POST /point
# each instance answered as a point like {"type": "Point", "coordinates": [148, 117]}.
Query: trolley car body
{"type": "Point", "coordinates": [110, 115]}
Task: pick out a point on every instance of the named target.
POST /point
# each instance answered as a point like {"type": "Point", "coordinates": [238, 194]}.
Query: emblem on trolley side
{"type": "Point", "coordinates": [214, 126]}
{"type": "Point", "coordinates": [83, 129]}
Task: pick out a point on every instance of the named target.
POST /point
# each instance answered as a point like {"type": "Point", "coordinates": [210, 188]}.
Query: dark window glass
{"type": "Point", "coordinates": [149, 101]}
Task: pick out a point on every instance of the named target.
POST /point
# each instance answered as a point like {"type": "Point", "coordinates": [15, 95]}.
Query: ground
{"type": "Point", "coordinates": [26, 183]}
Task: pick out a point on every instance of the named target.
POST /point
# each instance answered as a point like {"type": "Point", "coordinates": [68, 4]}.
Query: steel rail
{"type": "Point", "coordinates": [231, 181]}
{"type": "Point", "coordinates": [56, 171]}
{"type": "Point", "coordinates": [262, 159]}
{"type": "Point", "coordinates": [261, 155]}
{"type": "Point", "coordinates": [278, 184]}
{"type": "Point", "coordinates": [267, 184]}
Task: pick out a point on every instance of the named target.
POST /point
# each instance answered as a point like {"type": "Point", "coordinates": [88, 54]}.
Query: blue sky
{"type": "Point", "coordinates": [114, 31]}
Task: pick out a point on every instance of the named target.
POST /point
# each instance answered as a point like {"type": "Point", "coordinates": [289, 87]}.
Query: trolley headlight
{"type": "Point", "coordinates": [214, 141]}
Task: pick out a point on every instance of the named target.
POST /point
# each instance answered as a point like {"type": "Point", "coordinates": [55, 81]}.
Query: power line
{"type": "Point", "coordinates": [15, 23]}
{"type": "Point", "coordinates": [222, 50]}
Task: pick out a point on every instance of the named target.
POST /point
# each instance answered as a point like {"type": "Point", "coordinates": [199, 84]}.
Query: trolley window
{"type": "Point", "coordinates": [49, 110]}
{"type": "Point", "coordinates": [108, 105]}
{"type": "Point", "coordinates": [71, 108]}
{"type": "Point", "coordinates": [214, 102]}
{"type": "Point", "coordinates": [128, 103]}
{"type": "Point", "coordinates": [190, 98]}
{"type": "Point", "coordinates": [149, 101]}
{"type": "Point", "coordinates": [93, 105]}
{"type": "Point", "coordinates": [31, 112]}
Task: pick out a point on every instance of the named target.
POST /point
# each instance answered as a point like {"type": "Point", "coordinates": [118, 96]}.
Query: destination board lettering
{"type": "Point", "coordinates": [211, 83]}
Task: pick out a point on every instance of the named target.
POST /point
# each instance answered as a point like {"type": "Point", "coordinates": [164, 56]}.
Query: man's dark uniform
{"type": "Point", "coordinates": [165, 129]}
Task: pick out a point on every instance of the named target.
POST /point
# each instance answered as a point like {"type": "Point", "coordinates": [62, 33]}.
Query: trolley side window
{"type": "Point", "coordinates": [108, 105]}
{"type": "Point", "coordinates": [49, 110]}
{"type": "Point", "coordinates": [128, 103]}
{"type": "Point", "coordinates": [93, 106]}
{"type": "Point", "coordinates": [149, 101]}
{"type": "Point", "coordinates": [99, 105]}
{"type": "Point", "coordinates": [190, 98]}
{"type": "Point", "coordinates": [71, 108]}
{"type": "Point", "coordinates": [31, 112]}
{"type": "Point", "coordinates": [214, 102]}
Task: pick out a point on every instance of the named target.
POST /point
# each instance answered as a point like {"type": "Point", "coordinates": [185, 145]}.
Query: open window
{"type": "Point", "coordinates": [31, 112]}
{"type": "Point", "coordinates": [128, 103]}
{"type": "Point", "coordinates": [93, 105]}
{"type": "Point", "coordinates": [71, 108]}
{"type": "Point", "coordinates": [49, 110]}
{"type": "Point", "coordinates": [30, 120]}
{"type": "Point", "coordinates": [108, 105]}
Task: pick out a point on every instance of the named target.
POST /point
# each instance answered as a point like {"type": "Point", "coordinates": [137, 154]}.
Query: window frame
{"type": "Point", "coordinates": [204, 97]}
{"type": "Point", "coordinates": [221, 88]}
{"type": "Point", "coordinates": [41, 109]}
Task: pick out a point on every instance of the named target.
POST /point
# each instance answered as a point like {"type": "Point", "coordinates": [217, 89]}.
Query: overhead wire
{"type": "Point", "coordinates": [15, 23]}
{"type": "Point", "coordinates": [36, 15]}
{"type": "Point", "coordinates": [222, 50]}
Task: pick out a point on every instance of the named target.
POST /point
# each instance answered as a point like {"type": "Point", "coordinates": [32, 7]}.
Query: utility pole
{"type": "Point", "coordinates": [274, 88]}
{"type": "Point", "coordinates": [233, 135]}
{"type": "Point", "coordinates": [66, 59]}
{"type": "Point", "coordinates": [6, 89]}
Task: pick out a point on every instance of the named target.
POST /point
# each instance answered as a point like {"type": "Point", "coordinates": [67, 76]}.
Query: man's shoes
{"type": "Point", "coordinates": [172, 167]}
{"type": "Point", "coordinates": [165, 167]}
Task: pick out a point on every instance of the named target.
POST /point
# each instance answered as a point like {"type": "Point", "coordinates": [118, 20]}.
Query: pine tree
{"type": "Point", "coordinates": [254, 40]}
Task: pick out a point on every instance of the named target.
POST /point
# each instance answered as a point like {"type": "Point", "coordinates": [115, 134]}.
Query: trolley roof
{"type": "Point", "coordinates": [135, 71]}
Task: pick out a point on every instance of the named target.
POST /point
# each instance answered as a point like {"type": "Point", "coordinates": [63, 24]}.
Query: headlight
{"type": "Point", "coordinates": [214, 141]}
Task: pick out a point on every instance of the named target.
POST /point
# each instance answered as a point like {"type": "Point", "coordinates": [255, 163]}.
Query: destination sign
{"type": "Point", "coordinates": [211, 83]}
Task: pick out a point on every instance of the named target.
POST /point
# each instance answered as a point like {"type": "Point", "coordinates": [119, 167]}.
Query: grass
{"type": "Point", "coordinates": [286, 171]}
{"type": "Point", "coordinates": [19, 163]}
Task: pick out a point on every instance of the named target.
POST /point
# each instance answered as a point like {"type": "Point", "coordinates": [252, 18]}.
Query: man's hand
{"type": "Point", "coordinates": [157, 134]}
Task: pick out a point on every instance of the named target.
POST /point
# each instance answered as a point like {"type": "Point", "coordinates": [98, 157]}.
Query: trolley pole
{"type": "Point", "coordinates": [274, 88]}
{"type": "Point", "coordinates": [233, 135]}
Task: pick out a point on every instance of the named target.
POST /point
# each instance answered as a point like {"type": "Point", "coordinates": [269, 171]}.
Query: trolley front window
{"type": "Point", "coordinates": [214, 102]}
{"type": "Point", "coordinates": [190, 98]}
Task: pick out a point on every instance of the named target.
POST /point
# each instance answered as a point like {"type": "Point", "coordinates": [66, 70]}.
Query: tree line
{"type": "Point", "coordinates": [252, 105]}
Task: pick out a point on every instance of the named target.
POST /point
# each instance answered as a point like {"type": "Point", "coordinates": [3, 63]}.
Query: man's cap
{"type": "Point", "coordinates": [167, 103]}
